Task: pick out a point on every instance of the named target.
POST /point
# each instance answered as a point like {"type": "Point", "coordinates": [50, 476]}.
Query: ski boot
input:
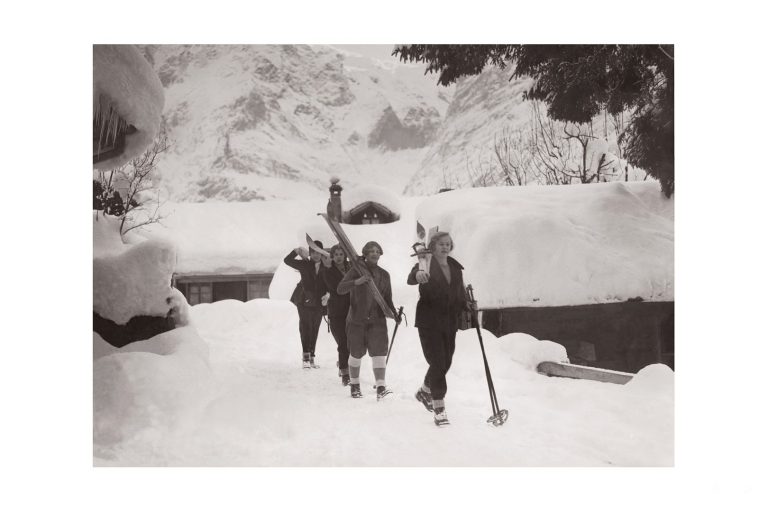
{"type": "Point", "coordinates": [425, 398]}
{"type": "Point", "coordinates": [345, 380]}
{"type": "Point", "coordinates": [381, 392]}
{"type": "Point", "coordinates": [312, 363]}
{"type": "Point", "coordinates": [441, 418]}
{"type": "Point", "coordinates": [354, 390]}
{"type": "Point", "coordinates": [305, 364]}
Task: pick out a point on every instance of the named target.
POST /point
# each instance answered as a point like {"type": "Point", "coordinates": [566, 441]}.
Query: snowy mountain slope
{"type": "Point", "coordinates": [482, 107]}
{"type": "Point", "coordinates": [486, 107]}
{"type": "Point", "coordinates": [259, 122]}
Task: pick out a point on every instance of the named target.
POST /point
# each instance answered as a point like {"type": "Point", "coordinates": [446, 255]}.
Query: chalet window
{"type": "Point", "coordinates": [200, 293]}
{"type": "Point", "coordinates": [109, 131]}
{"type": "Point", "coordinates": [258, 287]}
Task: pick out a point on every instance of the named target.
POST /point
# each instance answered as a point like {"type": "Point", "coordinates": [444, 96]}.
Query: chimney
{"type": "Point", "coordinates": [334, 203]}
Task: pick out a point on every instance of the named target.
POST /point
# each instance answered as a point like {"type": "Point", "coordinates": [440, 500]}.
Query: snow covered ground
{"type": "Point", "coordinates": [227, 390]}
{"type": "Point", "coordinates": [257, 407]}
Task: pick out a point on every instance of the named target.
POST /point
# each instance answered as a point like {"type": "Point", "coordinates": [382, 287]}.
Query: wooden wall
{"type": "Point", "coordinates": [622, 336]}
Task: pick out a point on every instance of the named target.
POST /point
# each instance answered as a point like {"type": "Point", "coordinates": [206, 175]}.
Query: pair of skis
{"type": "Point", "coordinates": [312, 245]}
{"type": "Point", "coordinates": [357, 264]}
{"type": "Point", "coordinates": [421, 247]}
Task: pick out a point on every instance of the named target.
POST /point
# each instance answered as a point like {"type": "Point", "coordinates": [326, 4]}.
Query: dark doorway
{"type": "Point", "coordinates": [230, 290]}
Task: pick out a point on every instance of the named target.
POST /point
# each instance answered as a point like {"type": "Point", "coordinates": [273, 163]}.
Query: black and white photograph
{"type": "Point", "coordinates": [389, 256]}
{"type": "Point", "coordinates": [303, 253]}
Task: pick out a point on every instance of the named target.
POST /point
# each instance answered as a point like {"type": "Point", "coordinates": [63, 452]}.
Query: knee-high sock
{"type": "Point", "coordinates": [379, 364]}
{"type": "Point", "coordinates": [354, 370]}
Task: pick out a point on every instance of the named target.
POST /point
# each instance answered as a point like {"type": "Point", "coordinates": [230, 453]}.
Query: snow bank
{"type": "Point", "coordinates": [529, 351]}
{"type": "Point", "coordinates": [122, 76]}
{"type": "Point", "coordinates": [133, 279]}
{"type": "Point", "coordinates": [154, 384]}
{"type": "Point", "coordinates": [654, 379]}
{"type": "Point", "coordinates": [554, 246]}
{"type": "Point", "coordinates": [259, 329]}
{"type": "Point", "coordinates": [136, 281]}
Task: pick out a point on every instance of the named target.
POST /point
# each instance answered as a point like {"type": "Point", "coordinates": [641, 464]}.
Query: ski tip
{"type": "Point", "coordinates": [420, 231]}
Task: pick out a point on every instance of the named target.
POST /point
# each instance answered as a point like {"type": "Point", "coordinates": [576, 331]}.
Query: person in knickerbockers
{"type": "Point", "coordinates": [442, 300]}
{"type": "Point", "coordinates": [308, 297]}
{"type": "Point", "coordinates": [334, 269]}
{"type": "Point", "coordinates": [366, 323]}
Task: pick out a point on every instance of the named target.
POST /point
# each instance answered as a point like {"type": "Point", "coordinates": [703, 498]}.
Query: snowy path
{"type": "Point", "coordinates": [267, 411]}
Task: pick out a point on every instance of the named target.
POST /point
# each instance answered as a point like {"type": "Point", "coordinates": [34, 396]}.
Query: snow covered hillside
{"type": "Point", "coordinates": [251, 122]}
{"type": "Point", "coordinates": [486, 108]}
{"type": "Point", "coordinates": [258, 122]}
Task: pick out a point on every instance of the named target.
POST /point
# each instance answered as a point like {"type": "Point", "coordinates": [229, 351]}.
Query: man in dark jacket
{"type": "Point", "coordinates": [366, 323]}
{"type": "Point", "coordinates": [308, 297]}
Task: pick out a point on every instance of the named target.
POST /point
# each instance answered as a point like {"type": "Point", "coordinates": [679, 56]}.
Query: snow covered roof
{"type": "Point", "coordinates": [357, 196]}
{"type": "Point", "coordinates": [520, 246]}
{"type": "Point", "coordinates": [557, 246]}
{"type": "Point", "coordinates": [124, 80]}
{"type": "Point", "coordinates": [239, 238]}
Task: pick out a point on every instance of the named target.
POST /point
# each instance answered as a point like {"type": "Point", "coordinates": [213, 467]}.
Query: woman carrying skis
{"type": "Point", "coordinates": [442, 299]}
{"type": "Point", "coordinates": [366, 323]}
{"type": "Point", "coordinates": [333, 271]}
{"type": "Point", "coordinates": [308, 297]}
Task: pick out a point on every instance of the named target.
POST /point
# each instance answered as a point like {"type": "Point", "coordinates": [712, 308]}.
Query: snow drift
{"type": "Point", "coordinates": [130, 280]}
{"type": "Point", "coordinates": [556, 246]}
{"type": "Point", "coordinates": [155, 384]}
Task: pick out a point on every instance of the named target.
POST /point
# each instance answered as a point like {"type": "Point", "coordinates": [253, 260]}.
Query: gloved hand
{"type": "Point", "coordinates": [362, 280]}
{"type": "Point", "coordinates": [324, 299]}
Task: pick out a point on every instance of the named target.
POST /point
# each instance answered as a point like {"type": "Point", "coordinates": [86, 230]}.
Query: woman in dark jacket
{"type": "Point", "coordinates": [441, 301]}
{"type": "Point", "coordinates": [338, 306]}
{"type": "Point", "coordinates": [308, 297]}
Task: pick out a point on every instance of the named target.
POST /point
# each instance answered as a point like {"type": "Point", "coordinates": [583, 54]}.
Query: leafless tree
{"type": "Point", "coordinates": [512, 151]}
{"type": "Point", "coordinates": [481, 174]}
{"type": "Point", "coordinates": [562, 153]}
{"type": "Point", "coordinates": [548, 152]}
{"type": "Point", "coordinates": [134, 181]}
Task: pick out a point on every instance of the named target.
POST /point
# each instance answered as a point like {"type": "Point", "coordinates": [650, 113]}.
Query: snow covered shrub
{"type": "Point", "coordinates": [529, 351]}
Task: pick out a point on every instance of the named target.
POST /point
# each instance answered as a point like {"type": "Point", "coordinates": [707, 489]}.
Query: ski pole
{"type": "Point", "coordinates": [499, 415]}
{"type": "Point", "coordinates": [394, 333]}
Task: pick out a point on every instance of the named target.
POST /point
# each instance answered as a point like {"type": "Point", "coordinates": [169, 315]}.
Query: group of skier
{"type": "Point", "coordinates": [358, 323]}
